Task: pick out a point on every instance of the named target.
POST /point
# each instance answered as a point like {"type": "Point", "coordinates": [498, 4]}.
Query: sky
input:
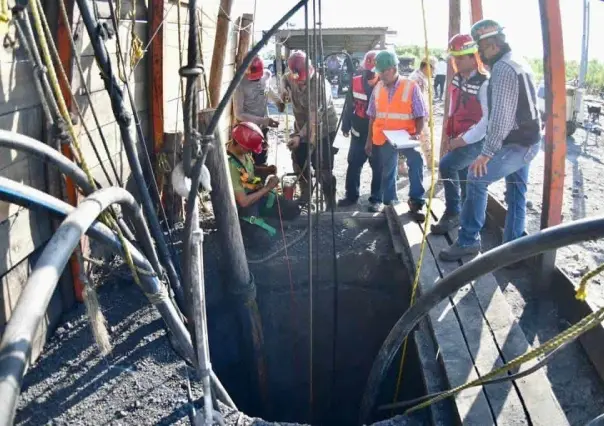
{"type": "Point", "coordinates": [521, 18]}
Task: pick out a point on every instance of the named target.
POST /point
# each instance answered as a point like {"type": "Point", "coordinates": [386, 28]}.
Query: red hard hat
{"type": "Point", "coordinates": [256, 69]}
{"type": "Point", "coordinates": [297, 65]}
{"type": "Point", "coordinates": [249, 136]}
{"type": "Point", "coordinates": [369, 60]}
{"type": "Point", "coordinates": [462, 44]}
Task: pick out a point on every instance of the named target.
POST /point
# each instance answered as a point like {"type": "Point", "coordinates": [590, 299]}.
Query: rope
{"type": "Point", "coordinates": [581, 293]}
{"type": "Point", "coordinates": [429, 207]}
{"type": "Point", "coordinates": [66, 81]}
{"type": "Point", "coordinates": [136, 45]}
{"type": "Point", "coordinates": [106, 218]}
{"type": "Point", "coordinates": [567, 336]}
{"type": "Point", "coordinates": [4, 17]}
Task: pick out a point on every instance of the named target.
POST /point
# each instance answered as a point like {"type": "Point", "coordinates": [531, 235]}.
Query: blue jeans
{"type": "Point", "coordinates": [512, 163]}
{"type": "Point", "coordinates": [386, 157]}
{"type": "Point", "coordinates": [454, 172]}
{"type": "Point", "coordinates": [356, 160]}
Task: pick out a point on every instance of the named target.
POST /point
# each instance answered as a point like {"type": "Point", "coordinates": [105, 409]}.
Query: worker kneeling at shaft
{"type": "Point", "coordinates": [254, 198]}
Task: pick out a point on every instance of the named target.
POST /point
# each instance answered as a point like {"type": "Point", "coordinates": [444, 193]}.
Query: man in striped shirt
{"type": "Point", "coordinates": [511, 143]}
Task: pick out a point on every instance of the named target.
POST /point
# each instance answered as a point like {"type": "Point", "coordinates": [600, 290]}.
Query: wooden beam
{"type": "Point", "coordinates": [156, 72]}
{"type": "Point", "coordinates": [454, 28]}
{"type": "Point", "coordinates": [220, 44]}
{"type": "Point", "coordinates": [245, 38]}
{"type": "Point", "coordinates": [476, 10]}
{"type": "Point", "coordinates": [66, 56]}
{"type": "Point", "coordinates": [555, 126]}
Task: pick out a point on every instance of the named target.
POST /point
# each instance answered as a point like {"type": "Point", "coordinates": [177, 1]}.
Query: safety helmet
{"type": "Point", "coordinates": [430, 60]}
{"type": "Point", "coordinates": [384, 60]}
{"type": "Point", "coordinates": [485, 28]}
{"type": "Point", "coordinates": [249, 136]}
{"type": "Point", "coordinates": [461, 45]}
{"type": "Point", "coordinates": [256, 69]}
{"type": "Point", "coordinates": [297, 65]}
{"type": "Point", "coordinates": [369, 60]}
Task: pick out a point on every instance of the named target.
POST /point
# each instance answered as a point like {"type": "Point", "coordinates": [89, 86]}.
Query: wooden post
{"type": "Point", "coordinates": [156, 72]}
{"type": "Point", "coordinates": [66, 55]}
{"type": "Point", "coordinates": [241, 284]}
{"type": "Point", "coordinates": [172, 151]}
{"type": "Point", "coordinates": [476, 10]}
{"type": "Point", "coordinates": [555, 126]}
{"type": "Point", "coordinates": [454, 25]}
{"type": "Point", "coordinates": [220, 43]}
{"type": "Point", "coordinates": [245, 36]}
{"type": "Point", "coordinates": [278, 62]}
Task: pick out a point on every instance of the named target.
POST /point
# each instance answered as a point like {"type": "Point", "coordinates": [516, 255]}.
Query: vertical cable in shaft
{"type": "Point", "coordinates": [309, 183]}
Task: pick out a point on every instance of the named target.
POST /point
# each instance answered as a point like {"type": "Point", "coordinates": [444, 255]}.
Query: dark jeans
{"type": "Point", "coordinates": [356, 161]}
{"type": "Point", "coordinates": [439, 83]}
{"type": "Point", "coordinates": [262, 158]}
{"type": "Point", "coordinates": [300, 155]}
{"type": "Point", "coordinates": [386, 158]}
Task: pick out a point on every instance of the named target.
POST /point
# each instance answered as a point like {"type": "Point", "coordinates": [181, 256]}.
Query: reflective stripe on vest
{"type": "Point", "coordinates": [359, 96]}
{"type": "Point", "coordinates": [251, 184]}
{"type": "Point", "coordinates": [396, 114]}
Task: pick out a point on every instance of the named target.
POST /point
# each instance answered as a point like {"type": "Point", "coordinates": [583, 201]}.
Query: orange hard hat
{"type": "Point", "coordinates": [297, 65]}
{"type": "Point", "coordinates": [462, 44]}
{"type": "Point", "coordinates": [369, 60]}
{"type": "Point", "coordinates": [256, 69]}
{"type": "Point", "coordinates": [249, 136]}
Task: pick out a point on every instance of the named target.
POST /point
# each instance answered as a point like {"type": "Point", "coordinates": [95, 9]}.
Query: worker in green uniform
{"type": "Point", "coordinates": [255, 199]}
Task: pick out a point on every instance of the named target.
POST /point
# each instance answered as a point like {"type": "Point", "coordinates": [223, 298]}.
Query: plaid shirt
{"type": "Point", "coordinates": [503, 105]}
{"type": "Point", "coordinates": [417, 100]}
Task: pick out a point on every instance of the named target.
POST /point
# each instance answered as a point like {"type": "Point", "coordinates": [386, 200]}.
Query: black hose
{"type": "Point", "coordinates": [31, 307]}
{"type": "Point", "coordinates": [492, 260]}
{"type": "Point", "coordinates": [124, 120]}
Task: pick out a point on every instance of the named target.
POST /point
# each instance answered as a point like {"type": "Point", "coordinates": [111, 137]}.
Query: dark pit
{"type": "Point", "coordinates": [372, 292]}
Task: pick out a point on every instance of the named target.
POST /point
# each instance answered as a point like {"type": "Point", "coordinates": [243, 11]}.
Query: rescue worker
{"type": "Point", "coordinates": [255, 199]}
{"type": "Point", "coordinates": [396, 104]}
{"type": "Point", "coordinates": [465, 128]}
{"type": "Point", "coordinates": [295, 84]}
{"type": "Point", "coordinates": [511, 143]}
{"type": "Point", "coordinates": [356, 122]}
{"type": "Point", "coordinates": [420, 76]}
{"type": "Point", "coordinates": [250, 102]}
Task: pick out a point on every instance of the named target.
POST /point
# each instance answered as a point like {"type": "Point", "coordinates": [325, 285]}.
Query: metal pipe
{"type": "Point", "coordinates": [18, 336]}
{"type": "Point", "coordinates": [25, 196]}
{"type": "Point", "coordinates": [492, 260]}
{"type": "Point", "coordinates": [124, 120]}
{"type": "Point", "coordinates": [200, 322]}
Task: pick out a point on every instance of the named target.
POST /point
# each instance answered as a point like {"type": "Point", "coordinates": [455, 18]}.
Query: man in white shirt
{"type": "Point", "coordinates": [466, 126]}
{"type": "Point", "coordinates": [420, 76]}
{"type": "Point", "coordinates": [440, 76]}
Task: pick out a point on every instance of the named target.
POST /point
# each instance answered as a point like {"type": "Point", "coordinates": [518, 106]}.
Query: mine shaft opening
{"type": "Point", "coordinates": [373, 291]}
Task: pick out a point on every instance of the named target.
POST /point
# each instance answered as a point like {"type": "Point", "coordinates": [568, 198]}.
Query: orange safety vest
{"type": "Point", "coordinates": [396, 114]}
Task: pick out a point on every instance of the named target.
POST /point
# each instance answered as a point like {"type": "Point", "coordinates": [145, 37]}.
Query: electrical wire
{"type": "Point", "coordinates": [141, 138]}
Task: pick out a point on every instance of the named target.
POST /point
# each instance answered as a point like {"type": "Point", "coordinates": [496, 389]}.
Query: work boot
{"type": "Point", "coordinates": [415, 210]}
{"type": "Point", "coordinates": [346, 202]}
{"type": "Point", "coordinates": [375, 207]}
{"type": "Point", "coordinates": [456, 252]}
{"type": "Point", "coordinates": [448, 222]}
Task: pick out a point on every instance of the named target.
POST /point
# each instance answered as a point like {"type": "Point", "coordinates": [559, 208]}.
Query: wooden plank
{"type": "Point", "coordinates": [504, 400]}
{"type": "Point", "coordinates": [103, 109]}
{"type": "Point", "coordinates": [535, 390]}
{"type": "Point", "coordinates": [472, 404]}
{"type": "Point", "coordinates": [21, 234]}
{"type": "Point", "coordinates": [16, 92]}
